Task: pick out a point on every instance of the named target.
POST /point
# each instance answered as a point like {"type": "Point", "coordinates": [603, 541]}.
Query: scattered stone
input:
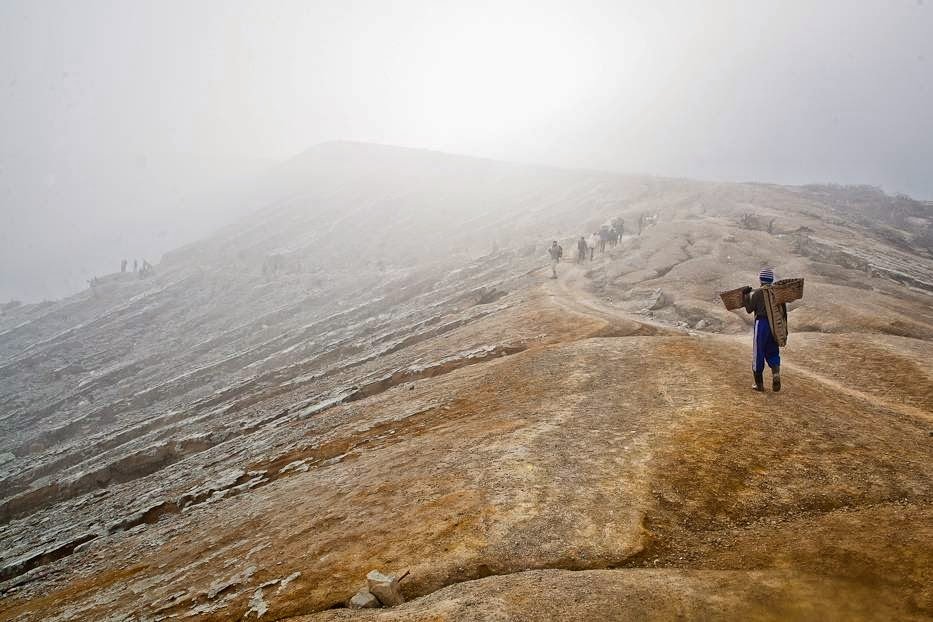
{"type": "Point", "coordinates": [364, 599]}
{"type": "Point", "coordinates": [385, 588]}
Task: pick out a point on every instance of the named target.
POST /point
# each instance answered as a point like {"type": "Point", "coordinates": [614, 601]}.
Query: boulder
{"type": "Point", "coordinates": [364, 599]}
{"type": "Point", "coordinates": [385, 588]}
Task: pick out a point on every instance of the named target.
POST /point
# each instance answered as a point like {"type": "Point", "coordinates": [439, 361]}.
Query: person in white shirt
{"type": "Point", "coordinates": [591, 243]}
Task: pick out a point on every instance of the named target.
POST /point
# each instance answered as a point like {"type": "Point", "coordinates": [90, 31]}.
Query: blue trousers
{"type": "Point", "coordinates": [764, 347]}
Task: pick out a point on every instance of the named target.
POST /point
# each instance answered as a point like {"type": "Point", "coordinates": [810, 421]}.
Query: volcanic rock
{"type": "Point", "coordinates": [364, 599]}
{"type": "Point", "coordinates": [385, 588]}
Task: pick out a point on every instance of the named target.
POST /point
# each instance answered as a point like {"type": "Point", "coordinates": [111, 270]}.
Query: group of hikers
{"type": "Point", "coordinates": [597, 241]}
{"type": "Point", "coordinates": [146, 267]}
{"type": "Point", "coordinates": [587, 247]}
{"type": "Point", "coordinates": [143, 271]}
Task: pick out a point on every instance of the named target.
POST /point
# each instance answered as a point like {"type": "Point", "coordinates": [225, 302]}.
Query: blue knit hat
{"type": "Point", "coordinates": [766, 275]}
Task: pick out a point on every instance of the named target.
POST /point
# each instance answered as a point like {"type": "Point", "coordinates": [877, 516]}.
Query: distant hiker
{"type": "Point", "coordinates": [616, 228]}
{"type": "Point", "coordinates": [581, 249]}
{"type": "Point", "coordinates": [769, 332]}
{"type": "Point", "coordinates": [135, 266]}
{"type": "Point", "coordinates": [123, 266]}
{"type": "Point", "coordinates": [555, 252]}
{"type": "Point", "coordinates": [603, 238]}
{"type": "Point", "coordinates": [591, 244]}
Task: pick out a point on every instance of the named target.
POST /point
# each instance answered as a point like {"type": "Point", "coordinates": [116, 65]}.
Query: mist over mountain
{"type": "Point", "coordinates": [130, 128]}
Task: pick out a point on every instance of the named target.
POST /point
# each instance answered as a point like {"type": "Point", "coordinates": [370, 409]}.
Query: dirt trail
{"type": "Point", "coordinates": [568, 292]}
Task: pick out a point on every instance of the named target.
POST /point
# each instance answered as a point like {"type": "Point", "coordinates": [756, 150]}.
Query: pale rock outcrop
{"type": "Point", "coordinates": [364, 599]}
{"type": "Point", "coordinates": [385, 587]}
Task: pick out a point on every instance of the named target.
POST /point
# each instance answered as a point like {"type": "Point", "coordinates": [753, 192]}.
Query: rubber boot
{"type": "Point", "coordinates": [776, 378]}
{"type": "Point", "coordinates": [759, 380]}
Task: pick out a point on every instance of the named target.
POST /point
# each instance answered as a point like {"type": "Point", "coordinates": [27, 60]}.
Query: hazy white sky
{"type": "Point", "coordinates": [114, 114]}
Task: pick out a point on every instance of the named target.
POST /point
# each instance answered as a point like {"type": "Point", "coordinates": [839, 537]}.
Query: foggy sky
{"type": "Point", "coordinates": [126, 125]}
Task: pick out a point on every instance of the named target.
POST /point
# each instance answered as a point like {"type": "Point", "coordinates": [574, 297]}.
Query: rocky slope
{"type": "Point", "coordinates": [374, 371]}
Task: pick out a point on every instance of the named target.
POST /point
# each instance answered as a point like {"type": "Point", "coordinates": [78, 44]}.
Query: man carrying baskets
{"type": "Point", "coordinates": [769, 333]}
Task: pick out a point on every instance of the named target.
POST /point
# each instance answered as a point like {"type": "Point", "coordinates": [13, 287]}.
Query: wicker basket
{"type": "Point", "coordinates": [733, 299]}
{"type": "Point", "coordinates": [787, 290]}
